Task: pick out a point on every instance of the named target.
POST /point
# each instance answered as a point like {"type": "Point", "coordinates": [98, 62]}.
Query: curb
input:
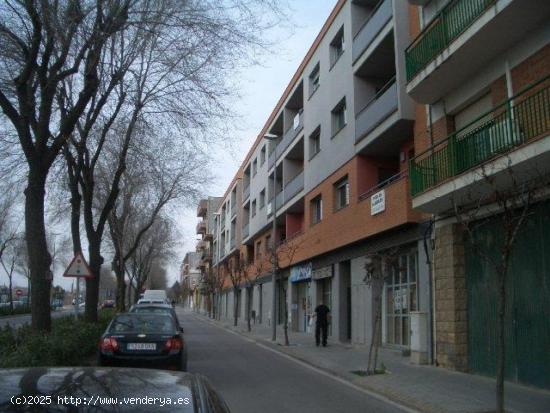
{"type": "Point", "coordinates": [391, 397]}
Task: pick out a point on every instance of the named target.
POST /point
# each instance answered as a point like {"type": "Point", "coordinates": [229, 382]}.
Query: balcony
{"type": "Point", "coordinates": [201, 228]}
{"type": "Point", "coordinates": [246, 231]}
{"type": "Point", "coordinates": [463, 38]}
{"type": "Point", "coordinates": [271, 159]}
{"type": "Point", "coordinates": [380, 16]}
{"type": "Point", "coordinates": [201, 246]}
{"type": "Point", "coordinates": [512, 129]}
{"type": "Point", "coordinates": [246, 193]}
{"type": "Point", "coordinates": [202, 208]}
{"type": "Point", "coordinates": [290, 134]}
{"type": "Point", "coordinates": [293, 187]}
{"type": "Point", "coordinates": [233, 209]}
{"type": "Point", "coordinates": [378, 109]}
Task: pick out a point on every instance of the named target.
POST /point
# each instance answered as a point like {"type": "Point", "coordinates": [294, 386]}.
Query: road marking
{"type": "Point", "coordinates": [316, 369]}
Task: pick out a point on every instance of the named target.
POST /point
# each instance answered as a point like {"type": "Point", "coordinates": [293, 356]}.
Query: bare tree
{"type": "Point", "coordinates": [165, 74]}
{"type": "Point", "coordinates": [507, 199]}
{"type": "Point", "coordinates": [281, 256]}
{"type": "Point", "coordinates": [238, 273]}
{"type": "Point", "coordinates": [146, 262]}
{"type": "Point", "coordinates": [45, 44]}
{"type": "Point", "coordinates": [251, 276]}
{"type": "Point", "coordinates": [8, 262]}
{"type": "Point", "coordinates": [378, 267]}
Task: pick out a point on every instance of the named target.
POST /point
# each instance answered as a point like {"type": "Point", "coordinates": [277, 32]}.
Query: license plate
{"type": "Point", "coordinates": [141, 346]}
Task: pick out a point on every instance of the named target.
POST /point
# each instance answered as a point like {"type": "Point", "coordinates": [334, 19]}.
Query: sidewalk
{"type": "Point", "coordinates": [424, 388]}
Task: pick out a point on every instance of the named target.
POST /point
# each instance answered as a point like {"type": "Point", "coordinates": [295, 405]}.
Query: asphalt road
{"type": "Point", "coordinates": [18, 320]}
{"type": "Point", "coordinates": [254, 379]}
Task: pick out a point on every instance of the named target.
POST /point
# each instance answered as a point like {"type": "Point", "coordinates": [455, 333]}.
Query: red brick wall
{"type": "Point", "coordinates": [532, 69]}
{"type": "Point", "coordinates": [354, 222]}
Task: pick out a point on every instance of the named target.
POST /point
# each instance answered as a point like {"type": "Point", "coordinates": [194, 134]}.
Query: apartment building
{"type": "Point", "coordinates": [190, 277]}
{"type": "Point", "coordinates": [355, 166]}
{"type": "Point", "coordinates": [479, 72]}
{"type": "Point", "coordinates": [330, 167]}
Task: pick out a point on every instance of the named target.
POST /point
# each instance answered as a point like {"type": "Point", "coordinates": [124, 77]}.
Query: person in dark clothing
{"type": "Point", "coordinates": [321, 324]}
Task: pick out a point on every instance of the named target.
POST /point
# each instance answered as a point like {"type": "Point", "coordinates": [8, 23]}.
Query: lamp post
{"type": "Point", "coordinates": [271, 137]}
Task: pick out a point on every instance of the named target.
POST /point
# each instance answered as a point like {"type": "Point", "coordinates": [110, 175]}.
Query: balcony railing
{"type": "Point", "coordinates": [232, 244]}
{"type": "Point", "coordinates": [246, 192]}
{"type": "Point", "coordinates": [381, 14]}
{"type": "Point", "coordinates": [382, 105]}
{"type": "Point", "coordinates": [291, 134]}
{"type": "Point", "coordinates": [446, 26]}
{"type": "Point", "coordinates": [233, 209]}
{"type": "Point", "coordinates": [201, 227]}
{"type": "Point", "coordinates": [294, 186]}
{"type": "Point", "coordinates": [382, 185]}
{"type": "Point", "coordinates": [524, 117]}
{"type": "Point", "coordinates": [246, 230]}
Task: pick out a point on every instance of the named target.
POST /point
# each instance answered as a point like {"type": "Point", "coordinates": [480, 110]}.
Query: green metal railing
{"type": "Point", "coordinates": [523, 117]}
{"type": "Point", "coordinates": [446, 26]}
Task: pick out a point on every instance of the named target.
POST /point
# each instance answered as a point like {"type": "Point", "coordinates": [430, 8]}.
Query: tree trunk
{"type": "Point", "coordinates": [248, 309]}
{"type": "Point", "coordinates": [120, 292]}
{"type": "Point", "coordinates": [39, 257]}
{"type": "Point", "coordinates": [92, 284]}
{"type": "Point", "coordinates": [285, 324]}
{"type": "Point", "coordinates": [129, 294]}
{"type": "Point", "coordinates": [501, 350]}
{"type": "Point", "coordinates": [374, 339]}
{"type": "Point", "coordinates": [235, 305]}
{"type": "Point", "coordinates": [11, 292]}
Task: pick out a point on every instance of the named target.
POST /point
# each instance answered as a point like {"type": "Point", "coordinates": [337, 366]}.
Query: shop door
{"type": "Point", "coordinates": [400, 295]}
{"type": "Point", "coordinates": [304, 305]}
{"type": "Point", "coordinates": [527, 324]}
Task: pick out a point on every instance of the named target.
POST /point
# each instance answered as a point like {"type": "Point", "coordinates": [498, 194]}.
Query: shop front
{"type": "Point", "coordinates": [301, 296]}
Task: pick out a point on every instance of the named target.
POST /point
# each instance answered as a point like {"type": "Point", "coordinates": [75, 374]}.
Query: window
{"type": "Point", "coordinates": [337, 47]}
{"type": "Point", "coordinates": [316, 209]}
{"type": "Point", "coordinates": [314, 79]}
{"type": "Point", "coordinates": [254, 208]}
{"type": "Point", "coordinates": [262, 198]}
{"type": "Point", "coordinates": [262, 156]}
{"type": "Point", "coordinates": [341, 194]}
{"type": "Point", "coordinates": [254, 167]}
{"type": "Point", "coordinates": [315, 142]}
{"type": "Point", "coordinates": [339, 117]}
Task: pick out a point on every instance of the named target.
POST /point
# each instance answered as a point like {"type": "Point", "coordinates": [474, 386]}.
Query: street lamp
{"type": "Point", "coordinates": [272, 137]}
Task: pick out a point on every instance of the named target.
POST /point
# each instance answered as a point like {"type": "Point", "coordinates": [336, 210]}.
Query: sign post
{"type": "Point", "coordinates": [78, 268]}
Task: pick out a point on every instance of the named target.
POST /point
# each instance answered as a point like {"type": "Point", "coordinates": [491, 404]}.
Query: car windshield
{"type": "Point", "coordinates": [142, 323]}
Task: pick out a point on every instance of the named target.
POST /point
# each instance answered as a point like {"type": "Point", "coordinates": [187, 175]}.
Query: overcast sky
{"type": "Point", "coordinates": [260, 87]}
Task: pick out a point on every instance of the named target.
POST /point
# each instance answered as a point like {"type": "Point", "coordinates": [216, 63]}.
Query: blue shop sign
{"type": "Point", "coordinates": [300, 272]}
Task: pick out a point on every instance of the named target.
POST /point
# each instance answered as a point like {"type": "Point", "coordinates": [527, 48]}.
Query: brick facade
{"type": "Point", "coordinates": [451, 323]}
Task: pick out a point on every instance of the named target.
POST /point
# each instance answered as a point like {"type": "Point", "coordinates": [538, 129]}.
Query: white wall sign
{"type": "Point", "coordinates": [378, 202]}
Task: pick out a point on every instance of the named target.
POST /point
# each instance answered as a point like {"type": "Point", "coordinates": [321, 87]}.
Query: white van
{"type": "Point", "coordinates": [154, 296]}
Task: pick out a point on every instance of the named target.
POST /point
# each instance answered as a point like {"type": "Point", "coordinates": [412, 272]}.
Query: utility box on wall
{"type": "Point", "coordinates": [419, 337]}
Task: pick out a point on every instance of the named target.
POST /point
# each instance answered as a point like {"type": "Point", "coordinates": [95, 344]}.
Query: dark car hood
{"type": "Point", "coordinates": [91, 382]}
